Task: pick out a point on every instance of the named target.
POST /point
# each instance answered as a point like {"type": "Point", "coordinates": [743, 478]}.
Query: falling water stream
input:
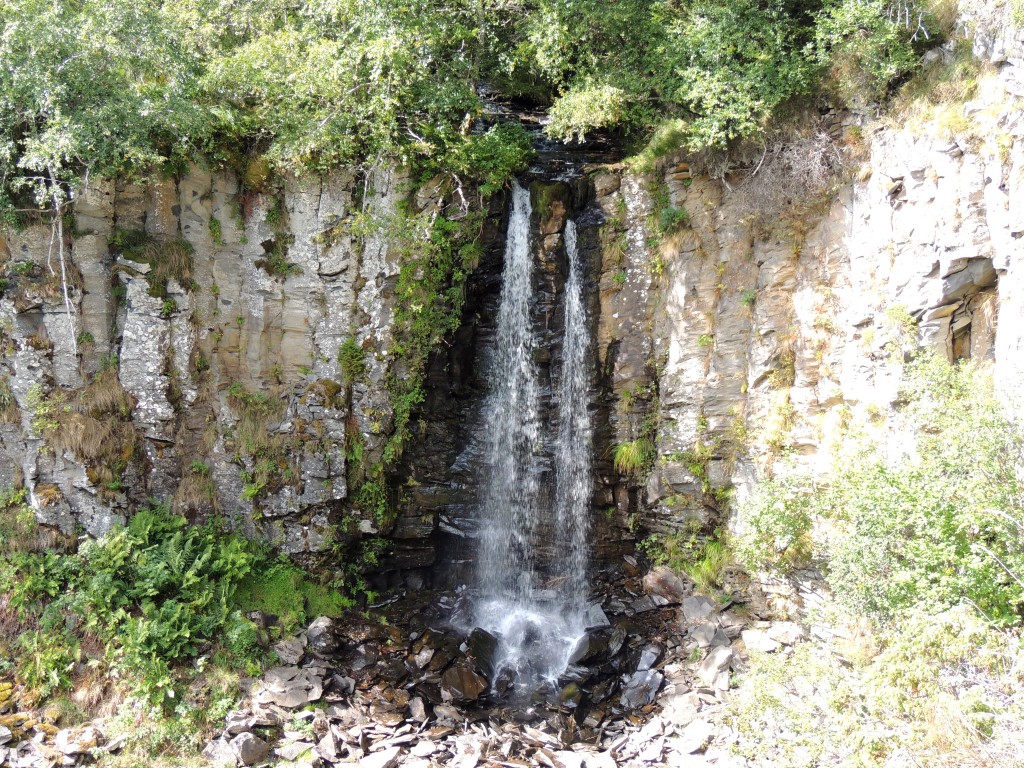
{"type": "Point", "coordinates": [537, 623]}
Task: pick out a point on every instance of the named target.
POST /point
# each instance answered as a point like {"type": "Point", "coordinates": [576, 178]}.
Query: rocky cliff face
{"type": "Point", "coordinates": [194, 355]}
{"type": "Point", "coordinates": [200, 345]}
{"type": "Point", "coordinates": [755, 333]}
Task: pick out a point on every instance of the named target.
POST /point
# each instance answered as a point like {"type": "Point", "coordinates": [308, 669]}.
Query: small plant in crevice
{"type": "Point", "coordinates": [634, 457]}
{"type": "Point", "coordinates": [263, 455]}
{"type": "Point", "coordinates": [275, 260]}
{"type": "Point", "coordinates": [352, 359]}
{"type": "Point", "coordinates": [703, 558]}
{"type": "Point", "coordinates": [666, 218]}
{"type": "Point", "coordinates": [216, 231]}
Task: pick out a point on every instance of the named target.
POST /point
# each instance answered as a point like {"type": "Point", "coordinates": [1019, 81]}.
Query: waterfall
{"type": "Point", "coordinates": [573, 483]}
{"type": "Point", "coordinates": [536, 609]}
{"type": "Point", "coordinates": [505, 569]}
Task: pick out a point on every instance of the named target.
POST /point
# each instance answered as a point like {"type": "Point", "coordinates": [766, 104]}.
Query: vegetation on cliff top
{"type": "Point", "coordinates": [123, 86]}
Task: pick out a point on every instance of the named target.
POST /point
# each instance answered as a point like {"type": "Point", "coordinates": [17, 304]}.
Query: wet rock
{"type": "Point", "coordinates": [482, 649]}
{"type": "Point", "coordinates": [649, 656]}
{"type": "Point", "coordinates": [698, 608]}
{"type": "Point", "coordinates": [595, 618]}
{"type": "Point", "coordinates": [323, 636]}
{"type": "Point", "coordinates": [664, 582]}
{"type": "Point", "coordinates": [706, 635]}
{"type": "Point", "coordinates": [641, 689]}
{"type": "Point", "coordinates": [716, 662]}
{"type": "Point", "coordinates": [423, 657]}
{"type": "Point", "coordinates": [758, 640]}
{"type": "Point", "coordinates": [249, 749]}
{"type": "Point", "coordinates": [589, 647]}
{"type": "Point", "coordinates": [648, 603]}
{"type": "Point", "coordinates": [570, 695]}
{"type": "Point", "coordinates": [366, 656]}
{"type": "Point", "coordinates": [616, 641]}
{"type": "Point", "coordinates": [462, 683]}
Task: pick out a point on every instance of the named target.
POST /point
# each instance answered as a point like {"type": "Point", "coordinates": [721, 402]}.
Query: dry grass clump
{"type": "Point", "coordinates": [933, 101]}
{"type": "Point", "coordinates": [793, 174]}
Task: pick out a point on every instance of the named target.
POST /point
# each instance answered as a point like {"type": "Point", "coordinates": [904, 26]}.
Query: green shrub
{"type": "Point", "coordinates": [283, 590]}
{"type": "Point", "coordinates": [935, 522]}
{"type": "Point", "coordinates": [153, 592]}
{"type": "Point", "coordinates": [777, 527]}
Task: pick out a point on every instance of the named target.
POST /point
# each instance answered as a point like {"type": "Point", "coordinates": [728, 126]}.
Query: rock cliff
{"type": "Point", "coordinates": [194, 340]}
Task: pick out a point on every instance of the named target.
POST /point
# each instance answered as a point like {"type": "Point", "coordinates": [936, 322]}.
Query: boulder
{"type": "Point", "coordinates": [386, 758]}
{"type": "Point", "coordinates": [290, 650]}
{"type": "Point", "coordinates": [758, 640]}
{"type": "Point", "coordinates": [664, 582]}
{"type": "Point", "coordinates": [323, 636]}
{"type": "Point", "coordinates": [641, 689]}
{"type": "Point", "coordinates": [709, 634]}
{"type": "Point", "coordinates": [698, 608]}
{"type": "Point", "coordinates": [717, 661]}
{"type": "Point", "coordinates": [483, 647]}
{"type": "Point", "coordinates": [460, 682]}
{"type": "Point", "coordinates": [249, 748]}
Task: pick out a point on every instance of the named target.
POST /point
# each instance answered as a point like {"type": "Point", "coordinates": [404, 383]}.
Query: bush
{"type": "Point", "coordinates": [156, 593]}
{"type": "Point", "coordinates": [922, 522]}
{"type": "Point", "coordinates": [777, 527]}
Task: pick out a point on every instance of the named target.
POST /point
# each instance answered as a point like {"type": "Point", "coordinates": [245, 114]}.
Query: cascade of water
{"type": "Point", "coordinates": [573, 483]}
{"type": "Point", "coordinates": [505, 569]}
{"type": "Point", "coordinates": [537, 628]}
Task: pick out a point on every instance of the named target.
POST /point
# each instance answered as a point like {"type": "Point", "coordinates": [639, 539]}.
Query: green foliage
{"type": "Point", "coordinates": [216, 231]}
{"type": "Point", "coordinates": [703, 559]}
{"type": "Point", "coordinates": [943, 522]}
{"type": "Point", "coordinates": [275, 260]}
{"type": "Point", "coordinates": [285, 591]}
{"type": "Point", "coordinates": [928, 689]}
{"type": "Point", "coordinates": [863, 65]}
{"type": "Point", "coordinates": [132, 86]}
{"type": "Point", "coordinates": [156, 593]}
{"type": "Point", "coordinates": [17, 521]}
{"type": "Point", "coordinates": [777, 524]}
{"type": "Point", "coordinates": [748, 297]}
{"type": "Point", "coordinates": [492, 157]}
{"type": "Point", "coordinates": [634, 457]}
{"type": "Point", "coordinates": [938, 521]}
{"type": "Point", "coordinates": [352, 359]}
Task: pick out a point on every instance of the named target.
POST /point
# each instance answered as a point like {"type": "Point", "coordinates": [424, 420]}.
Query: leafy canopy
{"type": "Point", "coordinates": [122, 86]}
